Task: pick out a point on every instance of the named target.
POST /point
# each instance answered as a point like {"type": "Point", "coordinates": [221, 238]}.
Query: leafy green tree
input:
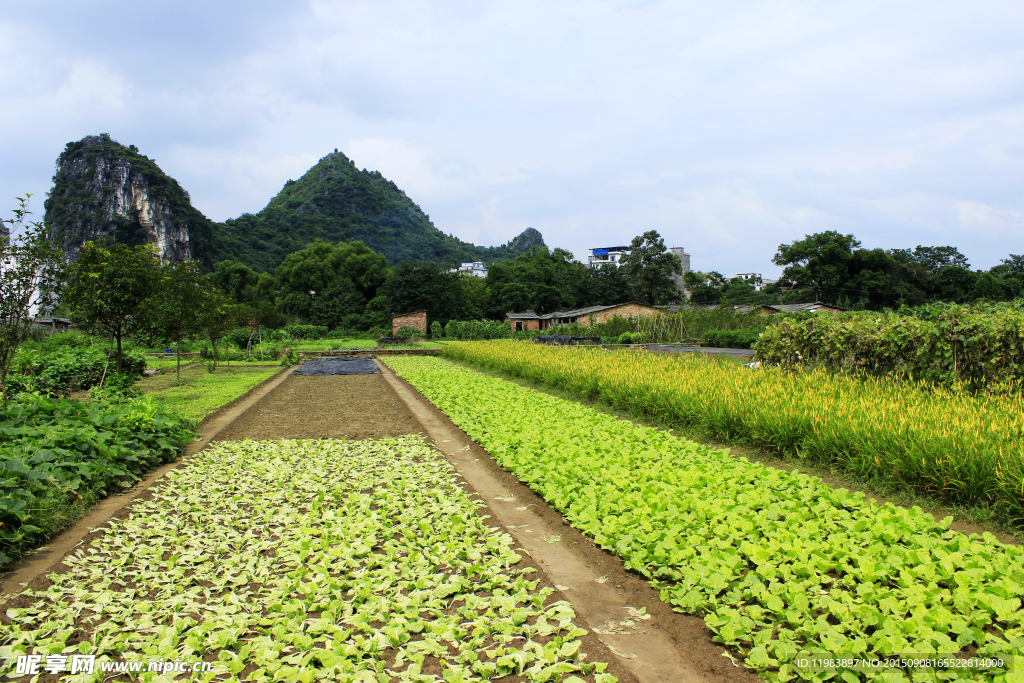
{"type": "Point", "coordinates": [932, 259]}
{"type": "Point", "coordinates": [425, 287]}
{"type": "Point", "coordinates": [542, 281]}
{"type": "Point", "coordinates": [237, 280]}
{"type": "Point", "coordinates": [603, 286]}
{"type": "Point", "coordinates": [648, 267]}
{"type": "Point", "coordinates": [109, 289]}
{"type": "Point", "coordinates": [219, 317]}
{"type": "Point", "coordinates": [324, 283]}
{"type": "Point", "coordinates": [821, 261]}
{"type": "Point", "coordinates": [177, 306]}
{"type": "Point", "coordinates": [1015, 264]}
{"type": "Point", "coordinates": [704, 288]}
{"type": "Point", "coordinates": [31, 273]}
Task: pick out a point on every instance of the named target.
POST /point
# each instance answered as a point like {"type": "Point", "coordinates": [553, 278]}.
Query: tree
{"type": "Point", "coordinates": [30, 279]}
{"type": "Point", "coordinates": [705, 288]}
{"type": "Point", "coordinates": [648, 267]}
{"type": "Point", "coordinates": [542, 281]}
{"type": "Point", "coordinates": [820, 261]}
{"type": "Point", "coordinates": [603, 286]}
{"type": "Point", "coordinates": [109, 289]}
{"type": "Point", "coordinates": [177, 306]}
{"type": "Point", "coordinates": [219, 316]}
{"type": "Point", "coordinates": [325, 283]}
{"type": "Point", "coordinates": [236, 280]}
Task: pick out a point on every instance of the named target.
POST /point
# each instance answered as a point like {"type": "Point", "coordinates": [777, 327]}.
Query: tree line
{"type": "Point", "coordinates": [833, 268]}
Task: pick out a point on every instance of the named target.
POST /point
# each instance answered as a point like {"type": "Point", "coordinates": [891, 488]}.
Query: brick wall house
{"type": "Point", "coordinates": [600, 314]}
{"type": "Point", "coordinates": [417, 320]}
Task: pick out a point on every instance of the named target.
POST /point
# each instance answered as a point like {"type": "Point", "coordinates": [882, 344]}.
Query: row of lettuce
{"type": "Point", "coordinates": [777, 562]}
{"type": "Point", "coordinates": [959, 447]}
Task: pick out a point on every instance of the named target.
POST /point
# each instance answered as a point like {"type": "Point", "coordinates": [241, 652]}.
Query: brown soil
{"type": "Point", "coordinates": [325, 407]}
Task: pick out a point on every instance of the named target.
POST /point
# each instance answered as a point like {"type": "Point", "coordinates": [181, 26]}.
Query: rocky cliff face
{"type": "Point", "coordinates": [103, 190]}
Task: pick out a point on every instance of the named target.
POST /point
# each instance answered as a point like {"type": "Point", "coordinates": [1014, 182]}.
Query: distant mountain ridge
{"type": "Point", "coordinates": [105, 190]}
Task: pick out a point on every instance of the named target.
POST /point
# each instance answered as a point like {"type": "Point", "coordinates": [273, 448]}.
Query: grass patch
{"type": "Point", "coordinates": [202, 393]}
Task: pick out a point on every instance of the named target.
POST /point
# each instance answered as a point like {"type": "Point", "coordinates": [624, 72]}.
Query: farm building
{"type": "Point", "coordinates": [763, 309]}
{"type": "Point", "coordinates": [417, 319]}
{"type": "Point", "coordinates": [583, 316]}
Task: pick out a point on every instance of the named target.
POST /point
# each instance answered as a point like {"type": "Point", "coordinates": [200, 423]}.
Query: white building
{"type": "Point", "coordinates": [755, 280]}
{"type": "Point", "coordinates": [604, 255]}
{"type": "Point", "coordinates": [474, 268]}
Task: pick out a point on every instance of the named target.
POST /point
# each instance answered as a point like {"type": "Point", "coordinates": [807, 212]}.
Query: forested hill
{"type": "Point", "coordinates": [335, 201]}
{"type": "Point", "coordinates": [104, 190]}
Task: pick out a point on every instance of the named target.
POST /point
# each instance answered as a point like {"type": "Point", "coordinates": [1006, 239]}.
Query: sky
{"type": "Point", "coordinates": [730, 128]}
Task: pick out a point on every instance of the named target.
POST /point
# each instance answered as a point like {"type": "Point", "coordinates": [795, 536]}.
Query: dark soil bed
{"type": "Point", "coordinates": [326, 407]}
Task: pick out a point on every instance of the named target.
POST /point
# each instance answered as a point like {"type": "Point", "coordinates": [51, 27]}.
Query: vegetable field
{"type": "Point", "coordinates": [960, 448]}
{"type": "Point", "coordinates": [777, 562]}
{"type": "Point", "coordinates": [308, 560]}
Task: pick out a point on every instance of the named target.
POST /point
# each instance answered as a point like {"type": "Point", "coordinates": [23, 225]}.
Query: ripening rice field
{"type": "Point", "coordinates": [306, 560]}
{"type": "Point", "coordinates": [780, 566]}
{"type": "Point", "coordinates": [959, 448]}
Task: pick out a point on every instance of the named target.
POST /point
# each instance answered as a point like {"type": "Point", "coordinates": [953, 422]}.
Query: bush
{"type": "Point", "coordinates": [407, 332]}
{"type": "Point", "coordinates": [627, 338]}
{"type": "Point", "coordinates": [979, 347]}
{"type": "Point", "coordinates": [436, 332]}
{"type": "Point", "coordinates": [732, 339]}
{"type": "Point", "coordinates": [299, 332]}
{"type": "Point", "coordinates": [53, 452]}
{"type": "Point", "coordinates": [68, 369]}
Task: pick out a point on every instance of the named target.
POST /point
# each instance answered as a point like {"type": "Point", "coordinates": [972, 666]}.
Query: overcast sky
{"type": "Point", "coordinates": [728, 127]}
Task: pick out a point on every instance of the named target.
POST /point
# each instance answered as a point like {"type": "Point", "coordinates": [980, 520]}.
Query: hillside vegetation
{"type": "Point", "coordinates": [101, 186]}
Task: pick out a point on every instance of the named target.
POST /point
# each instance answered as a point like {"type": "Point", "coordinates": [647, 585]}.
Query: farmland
{"type": "Point", "coordinates": [308, 560]}
{"type": "Point", "coordinates": [776, 562]}
{"type": "Point", "coordinates": [956, 447]}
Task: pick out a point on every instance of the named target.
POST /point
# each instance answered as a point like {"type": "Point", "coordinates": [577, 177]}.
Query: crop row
{"type": "Point", "coordinates": [777, 562]}
{"type": "Point", "coordinates": [308, 560]}
{"type": "Point", "coordinates": [960, 448]}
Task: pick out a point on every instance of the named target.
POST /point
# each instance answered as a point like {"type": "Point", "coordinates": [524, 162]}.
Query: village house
{"type": "Point", "coordinates": [417, 319]}
{"type": "Point", "coordinates": [530, 321]}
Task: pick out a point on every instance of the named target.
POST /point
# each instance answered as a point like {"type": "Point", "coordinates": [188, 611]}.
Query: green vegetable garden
{"type": "Point", "coordinates": [309, 560]}
{"type": "Point", "coordinates": [777, 562]}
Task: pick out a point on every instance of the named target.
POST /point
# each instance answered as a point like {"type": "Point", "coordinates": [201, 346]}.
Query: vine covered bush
{"type": "Point", "coordinates": [979, 347]}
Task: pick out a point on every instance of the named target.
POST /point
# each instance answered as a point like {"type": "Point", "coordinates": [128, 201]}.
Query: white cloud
{"type": "Point", "coordinates": [735, 127]}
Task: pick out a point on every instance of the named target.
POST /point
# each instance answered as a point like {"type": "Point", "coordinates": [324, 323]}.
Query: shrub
{"type": "Point", "coordinates": [68, 369]}
{"type": "Point", "coordinates": [66, 450]}
{"type": "Point", "coordinates": [436, 332]}
{"type": "Point", "coordinates": [732, 339]}
{"type": "Point", "coordinates": [981, 347]}
{"type": "Point", "coordinates": [305, 331]}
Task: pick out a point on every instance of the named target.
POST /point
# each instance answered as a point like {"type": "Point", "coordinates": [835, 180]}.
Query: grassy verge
{"type": "Point", "coordinates": [334, 345]}
{"type": "Point", "coordinates": [202, 393]}
{"type": "Point", "coordinates": [957, 448]}
{"type": "Point", "coordinates": [779, 564]}
{"type": "Point", "coordinates": [308, 560]}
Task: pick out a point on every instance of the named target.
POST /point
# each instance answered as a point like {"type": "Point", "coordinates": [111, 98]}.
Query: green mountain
{"type": "Point", "coordinates": [105, 190]}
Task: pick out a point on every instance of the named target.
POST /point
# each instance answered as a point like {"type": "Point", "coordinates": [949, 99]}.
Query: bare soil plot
{"type": "Point", "coordinates": [326, 407]}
